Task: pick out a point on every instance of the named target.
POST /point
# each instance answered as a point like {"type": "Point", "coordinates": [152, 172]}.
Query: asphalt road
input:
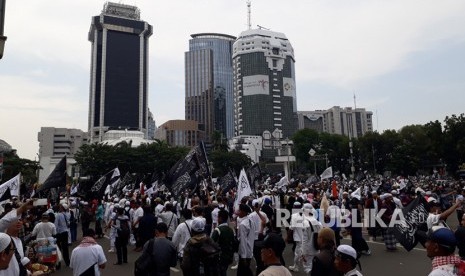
{"type": "Point", "coordinates": [379, 263]}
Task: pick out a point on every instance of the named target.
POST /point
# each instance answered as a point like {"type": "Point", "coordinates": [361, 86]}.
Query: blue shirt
{"type": "Point", "coordinates": [60, 222]}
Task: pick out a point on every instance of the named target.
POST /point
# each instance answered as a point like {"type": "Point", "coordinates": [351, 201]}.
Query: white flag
{"type": "Point", "coordinates": [74, 189]}
{"type": "Point", "coordinates": [282, 182]}
{"type": "Point", "coordinates": [243, 189]}
{"type": "Point", "coordinates": [357, 194]}
{"type": "Point", "coordinates": [328, 173]}
{"type": "Point", "coordinates": [13, 184]}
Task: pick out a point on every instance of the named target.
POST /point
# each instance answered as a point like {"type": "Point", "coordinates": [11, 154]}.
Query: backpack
{"type": "Point", "coordinates": [123, 231]}
{"type": "Point", "coordinates": [205, 258]}
{"type": "Point", "coordinates": [210, 258]}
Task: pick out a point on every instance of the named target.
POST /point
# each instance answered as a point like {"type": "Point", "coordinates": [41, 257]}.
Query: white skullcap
{"type": "Point", "coordinates": [347, 250]}
{"type": "Point", "coordinates": [308, 206]}
{"type": "Point", "coordinates": [5, 241]}
{"type": "Point", "coordinates": [198, 224]}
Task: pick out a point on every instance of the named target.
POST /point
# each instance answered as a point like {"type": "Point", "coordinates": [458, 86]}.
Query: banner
{"type": "Point", "coordinates": [56, 179]}
{"type": "Point", "coordinates": [414, 215]}
{"type": "Point", "coordinates": [243, 189]}
{"type": "Point", "coordinates": [328, 173]}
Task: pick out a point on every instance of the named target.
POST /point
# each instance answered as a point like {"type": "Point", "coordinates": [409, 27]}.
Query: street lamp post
{"type": "Point", "coordinates": [312, 153]}
{"type": "Point", "coordinates": [2, 22]}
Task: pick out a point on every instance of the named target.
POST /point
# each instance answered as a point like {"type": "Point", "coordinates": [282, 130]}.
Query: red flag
{"type": "Point", "coordinates": [335, 192]}
{"type": "Point", "coordinates": [142, 188]}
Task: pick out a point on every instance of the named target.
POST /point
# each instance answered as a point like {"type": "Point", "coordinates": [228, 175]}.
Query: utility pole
{"type": "Point", "coordinates": [2, 24]}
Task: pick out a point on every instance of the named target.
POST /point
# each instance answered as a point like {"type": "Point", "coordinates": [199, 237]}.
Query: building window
{"type": "Point", "coordinates": [275, 63]}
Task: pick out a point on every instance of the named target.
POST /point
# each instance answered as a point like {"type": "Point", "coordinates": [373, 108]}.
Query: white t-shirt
{"type": "Point", "coordinates": [181, 236]}
{"type": "Point", "coordinates": [258, 222]}
{"type": "Point", "coordinates": [13, 267]}
{"type": "Point", "coordinates": [297, 225]}
{"type": "Point", "coordinates": [44, 230]}
{"type": "Point", "coordinates": [82, 258]}
{"type": "Point", "coordinates": [139, 213]}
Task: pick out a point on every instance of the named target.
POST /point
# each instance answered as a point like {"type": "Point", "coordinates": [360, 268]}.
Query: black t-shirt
{"type": "Point", "coordinates": [207, 211]}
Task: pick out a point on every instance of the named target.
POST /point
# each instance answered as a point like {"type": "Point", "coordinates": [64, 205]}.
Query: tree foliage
{"type": "Point", "coordinates": [97, 159]}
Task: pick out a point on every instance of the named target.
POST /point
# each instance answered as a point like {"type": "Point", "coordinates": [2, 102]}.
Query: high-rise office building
{"type": "Point", "coordinates": [54, 143]}
{"type": "Point", "coordinates": [119, 71]}
{"type": "Point", "coordinates": [209, 83]}
{"type": "Point", "coordinates": [264, 84]}
{"type": "Point", "coordinates": [346, 121]}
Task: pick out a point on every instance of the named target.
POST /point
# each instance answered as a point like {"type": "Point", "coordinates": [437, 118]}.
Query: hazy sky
{"type": "Point", "coordinates": [404, 59]}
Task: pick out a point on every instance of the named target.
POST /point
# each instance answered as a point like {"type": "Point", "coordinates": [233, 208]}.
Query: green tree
{"type": "Point", "coordinates": [13, 164]}
{"type": "Point", "coordinates": [454, 141]}
{"type": "Point", "coordinates": [223, 160]}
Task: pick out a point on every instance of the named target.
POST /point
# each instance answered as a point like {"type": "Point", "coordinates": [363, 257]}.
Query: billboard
{"type": "Point", "coordinates": [255, 85]}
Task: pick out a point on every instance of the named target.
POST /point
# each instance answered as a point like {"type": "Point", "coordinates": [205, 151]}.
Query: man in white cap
{"type": "Point", "coordinates": [260, 220]}
{"type": "Point", "coordinates": [7, 251]}
{"type": "Point", "coordinates": [346, 260]}
{"type": "Point", "coordinates": [296, 229]}
{"type": "Point", "coordinates": [311, 227]}
{"type": "Point", "coordinates": [195, 259]}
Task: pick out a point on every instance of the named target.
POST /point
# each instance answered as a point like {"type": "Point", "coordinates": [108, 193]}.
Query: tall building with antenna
{"type": "Point", "coordinates": [119, 71]}
{"type": "Point", "coordinates": [264, 84]}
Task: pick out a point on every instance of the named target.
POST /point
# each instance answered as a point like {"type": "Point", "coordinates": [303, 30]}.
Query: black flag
{"type": "Point", "coordinates": [188, 172]}
{"type": "Point", "coordinates": [5, 193]}
{"type": "Point", "coordinates": [414, 215]}
{"type": "Point", "coordinates": [254, 173]}
{"type": "Point", "coordinates": [227, 182]}
{"type": "Point", "coordinates": [56, 179]}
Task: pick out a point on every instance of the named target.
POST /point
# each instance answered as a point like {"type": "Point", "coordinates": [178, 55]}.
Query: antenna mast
{"type": "Point", "coordinates": [355, 102]}
{"type": "Point", "coordinates": [249, 23]}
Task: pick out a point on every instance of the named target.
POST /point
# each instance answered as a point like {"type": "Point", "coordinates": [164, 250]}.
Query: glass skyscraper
{"type": "Point", "coordinates": [209, 83]}
{"type": "Point", "coordinates": [119, 71]}
{"type": "Point", "coordinates": [264, 84]}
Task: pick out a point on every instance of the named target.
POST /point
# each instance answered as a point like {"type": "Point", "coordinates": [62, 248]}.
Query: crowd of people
{"type": "Point", "coordinates": [209, 231]}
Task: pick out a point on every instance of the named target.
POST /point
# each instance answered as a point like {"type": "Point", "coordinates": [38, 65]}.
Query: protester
{"type": "Point", "coordinates": [88, 256]}
{"type": "Point", "coordinates": [323, 262]}
{"type": "Point", "coordinates": [44, 229]}
{"type": "Point", "coordinates": [272, 248]}
{"type": "Point", "coordinates": [146, 225]}
{"type": "Point", "coordinates": [183, 233]}
{"type": "Point", "coordinates": [98, 219]}
{"type": "Point", "coordinates": [7, 251]}
{"type": "Point", "coordinates": [224, 236]}
{"type": "Point", "coordinates": [122, 225]}
{"type": "Point", "coordinates": [62, 224]}
{"type": "Point", "coordinates": [246, 236]}
{"type": "Point", "coordinates": [169, 218]}
{"type": "Point", "coordinates": [201, 253]}
{"type": "Point", "coordinates": [346, 260]}
{"type": "Point", "coordinates": [440, 247]}
{"type": "Point", "coordinates": [297, 231]}
{"type": "Point", "coordinates": [460, 236]}
{"type": "Point", "coordinates": [138, 214]}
